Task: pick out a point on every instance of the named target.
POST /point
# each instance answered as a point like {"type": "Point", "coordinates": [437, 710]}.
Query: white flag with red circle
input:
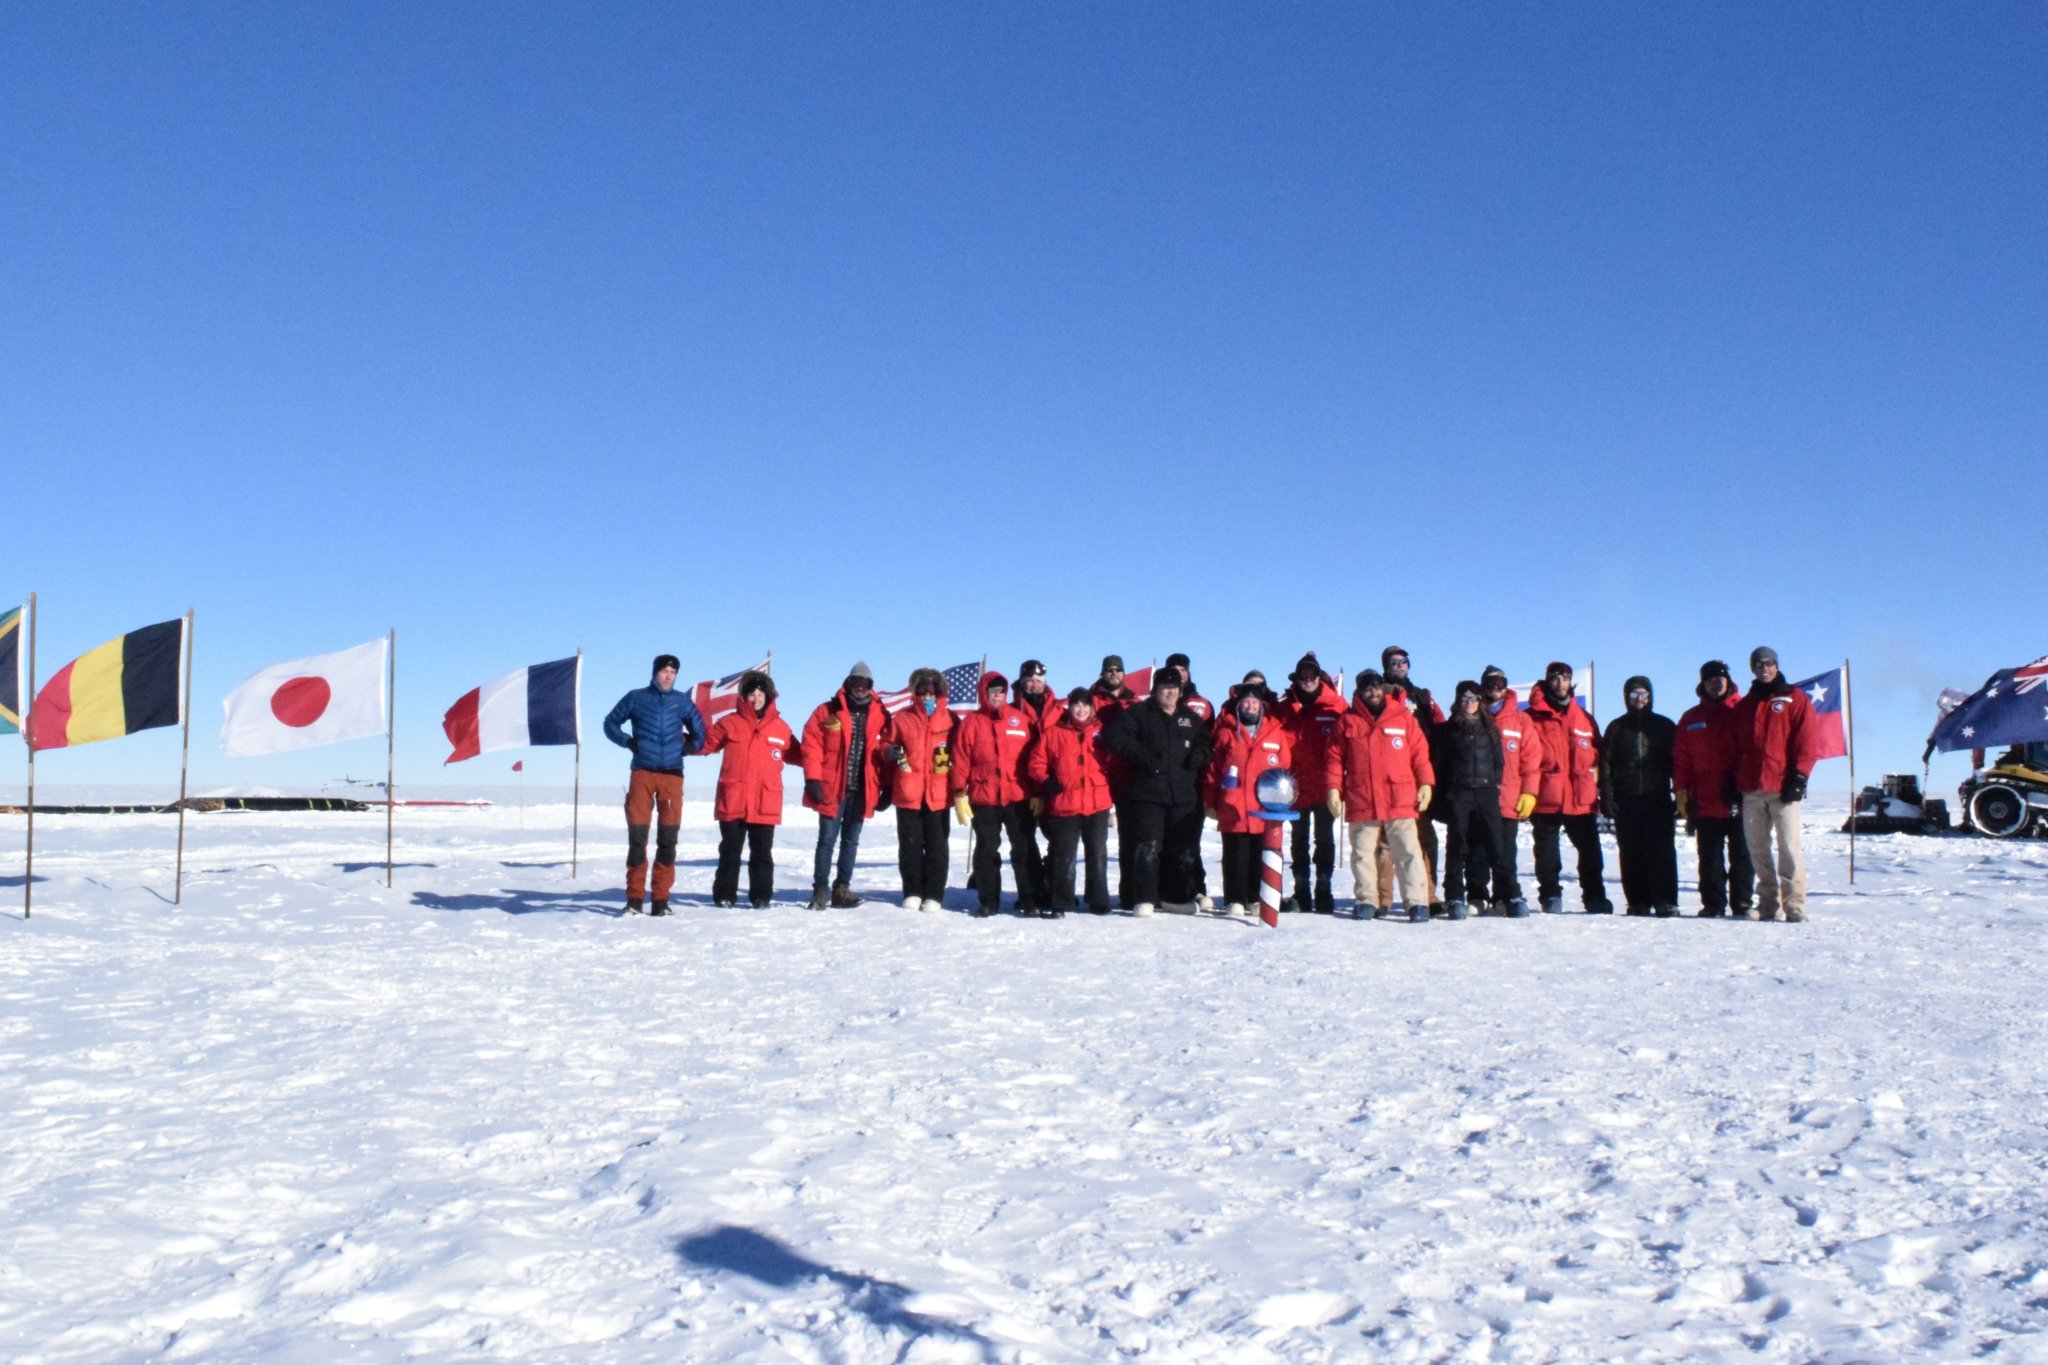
{"type": "Point", "coordinates": [308, 702]}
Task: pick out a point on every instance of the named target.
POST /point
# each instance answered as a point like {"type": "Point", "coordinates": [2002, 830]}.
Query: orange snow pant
{"type": "Point", "coordinates": [651, 797]}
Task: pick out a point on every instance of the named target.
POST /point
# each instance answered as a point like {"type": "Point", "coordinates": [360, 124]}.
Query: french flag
{"type": "Point", "coordinates": [537, 705]}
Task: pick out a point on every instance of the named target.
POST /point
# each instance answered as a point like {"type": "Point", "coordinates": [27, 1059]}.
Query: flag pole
{"type": "Point", "coordinates": [184, 760]}
{"type": "Point", "coordinates": [576, 783]}
{"type": "Point", "coordinates": [390, 742]}
{"type": "Point", "coordinates": [28, 730]}
{"type": "Point", "coordinates": [1849, 726]}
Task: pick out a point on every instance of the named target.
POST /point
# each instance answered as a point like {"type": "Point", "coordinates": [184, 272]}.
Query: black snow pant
{"type": "Point", "coordinates": [760, 842]}
{"type": "Point", "coordinates": [1316, 821]}
{"type": "Point", "coordinates": [1504, 884]}
{"type": "Point", "coordinates": [1241, 853]}
{"type": "Point", "coordinates": [990, 824]}
{"type": "Point", "coordinates": [1472, 840]}
{"type": "Point", "coordinates": [1584, 832]}
{"type": "Point", "coordinates": [1727, 881]}
{"type": "Point", "coordinates": [922, 848]}
{"type": "Point", "coordinates": [1646, 842]}
{"type": "Point", "coordinates": [1166, 847]}
{"type": "Point", "coordinates": [1085, 836]}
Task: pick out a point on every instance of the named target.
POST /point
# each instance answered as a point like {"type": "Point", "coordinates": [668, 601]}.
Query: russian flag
{"type": "Point", "coordinates": [537, 705]}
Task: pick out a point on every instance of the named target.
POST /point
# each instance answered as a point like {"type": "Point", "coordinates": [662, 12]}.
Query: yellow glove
{"type": "Point", "coordinates": [963, 812]}
{"type": "Point", "coordinates": [1685, 805]}
{"type": "Point", "coordinates": [1037, 806]}
{"type": "Point", "coordinates": [832, 725]}
{"type": "Point", "coordinates": [1422, 795]}
{"type": "Point", "coordinates": [1335, 801]}
{"type": "Point", "coordinates": [1524, 803]}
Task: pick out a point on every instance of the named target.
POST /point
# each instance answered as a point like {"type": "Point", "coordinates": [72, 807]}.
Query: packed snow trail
{"type": "Point", "coordinates": [482, 1115]}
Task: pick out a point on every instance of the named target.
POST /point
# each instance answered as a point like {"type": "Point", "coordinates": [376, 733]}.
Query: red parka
{"type": "Point", "coordinates": [989, 749]}
{"type": "Point", "coordinates": [1569, 743]}
{"type": "Point", "coordinates": [1378, 762]}
{"type": "Point", "coordinates": [828, 735]}
{"type": "Point", "coordinates": [1703, 755]}
{"type": "Point", "coordinates": [1066, 762]}
{"type": "Point", "coordinates": [1775, 732]}
{"type": "Point", "coordinates": [920, 780]}
{"type": "Point", "coordinates": [750, 774]}
{"type": "Point", "coordinates": [1521, 755]}
{"type": "Point", "coordinates": [1312, 721]}
{"type": "Point", "coordinates": [1047, 712]}
{"type": "Point", "coordinates": [1237, 757]}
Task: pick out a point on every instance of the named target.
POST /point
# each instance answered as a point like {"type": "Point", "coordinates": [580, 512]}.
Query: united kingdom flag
{"type": "Point", "coordinates": [717, 698]}
{"type": "Point", "coordinates": [2009, 708]}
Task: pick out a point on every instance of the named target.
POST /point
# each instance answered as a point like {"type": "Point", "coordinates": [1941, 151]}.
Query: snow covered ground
{"type": "Point", "coordinates": [483, 1116]}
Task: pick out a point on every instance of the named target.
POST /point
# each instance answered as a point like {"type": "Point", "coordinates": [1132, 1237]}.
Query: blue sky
{"type": "Point", "coordinates": [911, 333]}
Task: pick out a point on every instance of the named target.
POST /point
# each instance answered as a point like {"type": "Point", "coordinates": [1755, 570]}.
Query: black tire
{"type": "Point", "coordinates": [2000, 811]}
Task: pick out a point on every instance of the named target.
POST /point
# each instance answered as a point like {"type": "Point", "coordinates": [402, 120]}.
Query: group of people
{"type": "Point", "coordinates": [1389, 765]}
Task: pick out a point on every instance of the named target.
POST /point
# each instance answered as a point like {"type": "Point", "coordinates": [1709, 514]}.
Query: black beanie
{"type": "Point", "coordinates": [1179, 661]}
{"type": "Point", "coordinates": [1306, 667]}
{"type": "Point", "coordinates": [662, 661]}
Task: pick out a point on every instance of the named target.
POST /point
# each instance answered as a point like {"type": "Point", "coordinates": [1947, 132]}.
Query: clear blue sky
{"type": "Point", "coordinates": [909, 333]}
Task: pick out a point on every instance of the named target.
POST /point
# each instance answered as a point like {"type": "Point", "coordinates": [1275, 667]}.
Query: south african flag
{"type": "Point", "coordinates": [10, 671]}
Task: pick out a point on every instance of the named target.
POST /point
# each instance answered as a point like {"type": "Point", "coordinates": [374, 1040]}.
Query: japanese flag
{"type": "Point", "coordinates": [308, 702]}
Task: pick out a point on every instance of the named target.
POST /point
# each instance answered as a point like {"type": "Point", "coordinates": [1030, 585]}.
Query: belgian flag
{"type": "Point", "coordinates": [127, 684]}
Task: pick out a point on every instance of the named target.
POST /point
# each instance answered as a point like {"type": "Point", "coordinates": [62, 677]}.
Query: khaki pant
{"type": "Point", "coordinates": [1780, 880]}
{"type": "Point", "coordinates": [1400, 837]}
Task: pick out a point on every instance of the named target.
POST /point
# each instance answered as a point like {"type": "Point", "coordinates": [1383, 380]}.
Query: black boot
{"type": "Point", "coordinates": [1326, 900]}
{"type": "Point", "coordinates": [660, 908]}
{"type": "Point", "coordinates": [632, 905]}
{"type": "Point", "coordinates": [843, 897]}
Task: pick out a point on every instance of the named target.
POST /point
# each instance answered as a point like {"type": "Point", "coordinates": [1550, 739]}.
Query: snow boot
{"type": "Point", "coordinates": [1144, 910]}
{"type": "Point", "coordinates": [1795, 916]}
{"type": "Point", "coordinates": [1455, 909]}
{"type": "Point", "coordinates": [1710, 912]}
{"type": "Point", "coordinates": [1517, 909]}
{"type": "Point", "coordinates": [1603, 906]}
{"type": "Point", "coordinates": [1667, 912]}
{"type": "Point", "coordinates": [819, 900]}
{"type": "Point", "coordinates": [1326, 899]}
{"type": "Point", "coordinates": [1639, 911]}
{"type": "Point", "coordinates": [913, 903]}
{"type": "Point", "coordinates": [1553, 905]}
{"type": "Point", "coordinates": [724, 904]}
{"type": "Point", "coordinates": [633, 905]}
{"type": "Point", "coordinates": [985, 910]}
{"type": "Point", "coordinates": [660, 908]}
{"type": "Point", "coordinates": [1417, 914]}
{"type": "Point", "coordinates": [843, 897]}
{"type": "Point", "coordinates": [1098, 909]}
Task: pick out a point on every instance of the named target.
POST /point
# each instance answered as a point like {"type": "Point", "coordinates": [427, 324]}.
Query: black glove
{"type": "Point", "coordinates": [1795, 786]}
{"type": "Point", "coordinates": [882, 798]}
{"type": "Point", "coordinates": [1050, 786]}
{"type": "Point", "coordinates": [1418, 701]}
{"type": "Point", "coordinates": [814, 791]}
{"type": "Point", "coordinates": [1730, 793]}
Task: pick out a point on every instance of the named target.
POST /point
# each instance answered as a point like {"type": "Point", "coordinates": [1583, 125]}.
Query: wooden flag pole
{"type": "Point", "coordinates": [390, 742]}
{"type": "Point", "coordinates": [1849, 736]}
{"type": "Point", "coordinates": [576, 784]}
{"type": "Point", "coordinates": [184, 760]}
{"type": "Point", "coordinates": [28, 730]}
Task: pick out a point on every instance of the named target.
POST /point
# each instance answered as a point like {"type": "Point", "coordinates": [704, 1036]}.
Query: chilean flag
{"type": "Point", "coordinates": [537, 705]}
{"type": "Point", "coordinates": [1825, 692]}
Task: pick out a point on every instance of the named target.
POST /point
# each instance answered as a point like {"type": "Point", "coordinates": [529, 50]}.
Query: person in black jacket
{"type": "Point", "coordinates": [1635, 791]}
{"type": "Point", "coordinates": [1466, 752]}
{"type": "Point", "coordinates": [1164, 748]}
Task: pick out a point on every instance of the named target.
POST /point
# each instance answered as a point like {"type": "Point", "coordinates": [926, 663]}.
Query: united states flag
{"type": "Point", "coordinates": [963, 681]}
{"type": "Point", "coordinates": [715, 699]}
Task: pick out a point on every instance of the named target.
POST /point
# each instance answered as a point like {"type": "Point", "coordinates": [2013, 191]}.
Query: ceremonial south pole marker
{"type": "Point", "coordinates": [1275, 792]}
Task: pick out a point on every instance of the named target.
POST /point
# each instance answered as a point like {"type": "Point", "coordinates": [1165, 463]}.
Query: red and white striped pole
{"type": "Point", "coordinates": [1269, 875]}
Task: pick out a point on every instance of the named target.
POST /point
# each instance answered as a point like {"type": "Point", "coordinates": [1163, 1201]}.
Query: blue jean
{"type": "Point", "coordinates": [845, 833]}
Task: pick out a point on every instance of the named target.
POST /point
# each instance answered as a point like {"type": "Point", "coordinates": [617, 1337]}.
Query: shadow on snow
{"type": "Point", "coordinates": [760, 1257]}
{"type": "Point", "coordinates": [518, 902]}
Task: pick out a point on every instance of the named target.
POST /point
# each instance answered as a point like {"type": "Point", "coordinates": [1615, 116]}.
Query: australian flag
{"type": "Point", "coordinates": [2010, 708]}
{"type": "Point", "coordinates": [1825, 692]}
{"type": "Point", "coordinates": [963, 685]}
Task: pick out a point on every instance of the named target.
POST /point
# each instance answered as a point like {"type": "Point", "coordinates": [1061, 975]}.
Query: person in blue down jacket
{"type": "Point", "coordinates": [665, 726]}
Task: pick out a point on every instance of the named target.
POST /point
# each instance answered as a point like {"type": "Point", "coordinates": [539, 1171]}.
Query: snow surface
{"type": "Point", "coordinates": [483, 1116]}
